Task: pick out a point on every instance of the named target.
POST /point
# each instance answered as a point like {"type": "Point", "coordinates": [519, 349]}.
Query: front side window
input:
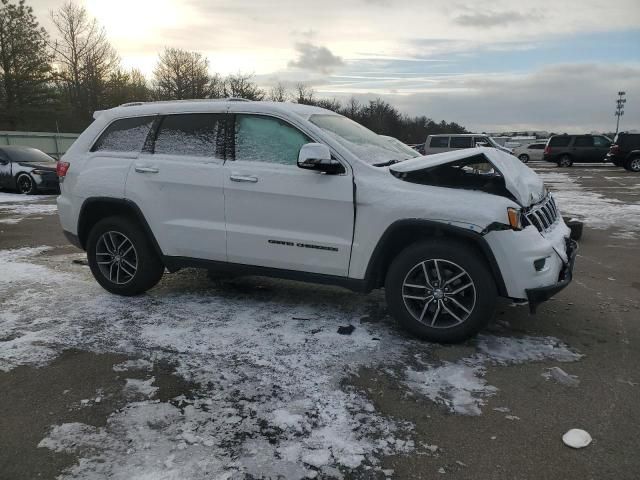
{"type": "Point", "coordinates": [260, 138]}
{"type": "Point", "coordinates": [124, 135]}
{"type": "Point", "coordinates": [461, 142]}
{"type": "Point", "coordinates": [439, 142]}
{"type": "Point", "coordinates": [583, 142]}
{"type": "Point", "coordinates": [601, 142]}
{"type": "Point", "coordinates": [196, 134]}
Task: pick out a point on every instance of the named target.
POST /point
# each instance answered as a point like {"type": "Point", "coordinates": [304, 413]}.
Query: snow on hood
{"type": "Point", "coordinates": [521, 181]}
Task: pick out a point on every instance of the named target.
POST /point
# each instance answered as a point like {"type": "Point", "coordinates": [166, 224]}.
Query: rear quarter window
{"type": "Point", "coordinates": [560, 142]}
{"type": "Point", "coordinates": [124, 135]}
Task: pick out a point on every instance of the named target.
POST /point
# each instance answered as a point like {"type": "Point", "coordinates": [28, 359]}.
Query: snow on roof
{"type": "Point", "coordinates": [206, 105]}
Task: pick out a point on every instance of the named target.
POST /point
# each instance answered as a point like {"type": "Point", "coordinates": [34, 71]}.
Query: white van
{"type": "Point", "coordinates": [447, 142]}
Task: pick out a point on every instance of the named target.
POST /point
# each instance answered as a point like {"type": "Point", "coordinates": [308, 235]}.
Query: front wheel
{"type": "Point", "coordinates": [441, 291]}
{"type": "Point", "coordinates": [25, 184]}
{"type": "Point", "coordinates": [565, 161]}
{"type": "Point", "coordinates": [633, 165]}
{"type": "Point", "coordinates": [122, 258]}
{"type": "Point", "coordinates": [524, 158]}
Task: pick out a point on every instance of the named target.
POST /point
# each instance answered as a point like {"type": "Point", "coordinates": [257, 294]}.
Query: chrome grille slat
{"type": "Point", "coordinates": [544, 214]}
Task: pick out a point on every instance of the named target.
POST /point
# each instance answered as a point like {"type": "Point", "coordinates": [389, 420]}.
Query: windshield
{"type": "Point", "coordinates": [400, 146]}
{"type": "Point", "coordinates": [29, 155]}
{"type": "Point", "coordinates": [361, 141]}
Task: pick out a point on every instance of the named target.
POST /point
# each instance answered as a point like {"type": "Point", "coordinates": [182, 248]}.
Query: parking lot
{"type": "Point", "coordinates": [249, 377]}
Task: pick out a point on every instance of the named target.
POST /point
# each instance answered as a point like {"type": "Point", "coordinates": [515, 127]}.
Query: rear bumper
{"type": "Point", "coordinates": [541, 294]}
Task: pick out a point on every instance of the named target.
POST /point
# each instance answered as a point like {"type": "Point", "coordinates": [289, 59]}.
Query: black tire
{"type": "Point", "coordinates": [149, 267]}
{"type": "Point", "coordinates": [565, 161]}
{"type": "Point", "coordinates": [448, 253]}
{"type": "Point", "coordinates": [25, 184]}
{"type": "Point", "coordinates": [524, 158]}
{"type": "Point", "coordinates": [633, 165]}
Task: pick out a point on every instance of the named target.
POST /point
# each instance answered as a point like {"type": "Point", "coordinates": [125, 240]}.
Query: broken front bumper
{"type": "Point", "coordinates": [541, 294]}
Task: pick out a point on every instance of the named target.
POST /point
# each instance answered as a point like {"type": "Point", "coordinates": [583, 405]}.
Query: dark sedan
{"type": "Point", "coordinates": [27, 170]}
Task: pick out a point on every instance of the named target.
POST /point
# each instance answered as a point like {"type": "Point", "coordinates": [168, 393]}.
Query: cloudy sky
{"type": "Point", "coordinates": [512, 65]}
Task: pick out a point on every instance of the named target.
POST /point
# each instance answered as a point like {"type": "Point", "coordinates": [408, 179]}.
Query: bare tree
{"type": "Point", "coordinates": [305, 94]}
{"type": "Point", "coordinates": [180, 74]}
{"type": "Point", "coordinates": [84, 57]}
{"type": "Point", "coordinates": [24, 63]}
{"type": "Point", "coordinates": [241, 85]}
{"type": "Point", "coordinates": [278, 93]}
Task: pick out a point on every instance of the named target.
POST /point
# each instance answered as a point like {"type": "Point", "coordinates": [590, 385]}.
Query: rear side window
{"type": "Point", "coordinates": [197, 134]}
{"type": "Point", "coordinates": [583, 142]}
{"type": "Point", "coordinates": [461, 142]}
{"type": "Point", "coordinates": [266, 139]}
{"type": "Point", "coordinates": [439, 142]}
{"type": "Point", "coordinates": [124, 135]}
{"type": "Point", "coordinates": [536, 146]}
{"type": "Point", "coordinates": [559, 141]}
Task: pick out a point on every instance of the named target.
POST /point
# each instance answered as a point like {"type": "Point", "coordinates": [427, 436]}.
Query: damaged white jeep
{"type": "Point", "coordinates": [299, 192]}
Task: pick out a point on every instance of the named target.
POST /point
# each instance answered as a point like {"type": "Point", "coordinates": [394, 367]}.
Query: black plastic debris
{"type": "Point", "coordinates": [80, 261]}
{"type": "Point", "coordinates": [348, 330]}
{"type": "Point", "coordinates": [576, 228]}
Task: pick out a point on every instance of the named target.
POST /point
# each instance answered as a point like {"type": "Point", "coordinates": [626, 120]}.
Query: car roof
{"type": "Point", "coordinates": [212, 106]}
{"type": "Point", "coordinates": [459, 135]}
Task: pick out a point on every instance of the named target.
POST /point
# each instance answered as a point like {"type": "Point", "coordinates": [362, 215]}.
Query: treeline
{"type": "Point", "coordinates": [56, 82]}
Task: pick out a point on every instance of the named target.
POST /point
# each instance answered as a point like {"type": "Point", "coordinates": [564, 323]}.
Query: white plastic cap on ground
{"type": "Point", "coordinates": [576, 438]}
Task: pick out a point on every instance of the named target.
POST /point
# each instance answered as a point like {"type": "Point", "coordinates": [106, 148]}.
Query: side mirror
{"type": "Point", "coordinates": [316, 156]}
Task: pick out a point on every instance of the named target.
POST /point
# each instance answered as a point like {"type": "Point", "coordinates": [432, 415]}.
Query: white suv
{"type": "Point", "coordinates": [299, 192]}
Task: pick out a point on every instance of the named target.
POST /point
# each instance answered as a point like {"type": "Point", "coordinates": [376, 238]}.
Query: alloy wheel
{"type": "Point", "coordinates": [524, 158]}
{"type": "Point", "coordinates": [116, 257]}
{"type": "Point", "coordinates": [25, 184]}
{"type": "Point", "coordinates": [439, 293]}
{"type": "Point", "coordinates": [634, 165]}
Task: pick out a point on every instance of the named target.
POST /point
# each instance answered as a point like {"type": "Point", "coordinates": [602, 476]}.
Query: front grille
{"type": "Point", "coordinates": [542, 215]}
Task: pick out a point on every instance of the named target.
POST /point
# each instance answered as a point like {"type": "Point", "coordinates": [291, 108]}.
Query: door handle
{"type": "Point", "coordinates": [243, 178]}
{"type": "Point", "coordinates": [147, 170]}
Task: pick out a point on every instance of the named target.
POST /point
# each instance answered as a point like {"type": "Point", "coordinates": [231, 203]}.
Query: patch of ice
{"type": "Point", "coordinates": [508, 350]}
{"type": "Point", "coordinates": [135, 386]}
{"type": "Point", "coordinates": [137, 364]}
{"type": "Point", "coordinates": [562, 377]}
{"type": "Point", "coordinates": [460, 387]}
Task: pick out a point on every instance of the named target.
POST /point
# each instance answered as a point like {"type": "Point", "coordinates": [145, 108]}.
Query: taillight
{"type": "Point", "coordinates": [61, 169]}
{"type": "Point", "coordinates": [547, 150]}
{"type": "Point", "coordinates": [614, 148]}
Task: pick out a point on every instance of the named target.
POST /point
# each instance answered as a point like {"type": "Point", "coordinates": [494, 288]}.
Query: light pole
{"type": "Point", "coordinates": [620, 108]}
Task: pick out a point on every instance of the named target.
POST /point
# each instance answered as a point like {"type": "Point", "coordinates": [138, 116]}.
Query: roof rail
{"type": "Point", "coordinates": [132, 104]}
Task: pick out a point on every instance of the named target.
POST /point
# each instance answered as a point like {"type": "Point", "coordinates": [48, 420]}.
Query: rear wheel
{"type": "Point", "coordinates": [524, 158]}
{"type": "Point", "coordinates": [633, 164]}
{"type": "Point", "coordinates": [25, 184]}
{"type": "Point", "coordinates": [122, 258]}
{"type": "Point", "coordinates": [565, 161]}
{"type": "Point", "coordinates": [441, 291]}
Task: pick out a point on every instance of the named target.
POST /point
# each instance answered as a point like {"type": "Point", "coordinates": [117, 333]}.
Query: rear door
{"type": "Point", "coordinates": [535, 151]}
{"type": "Point", "coordinates": [583, 150]}
{"type": "Point", "coordinates": [177, 181]}
{"type": "Point", "coordinates": [279, 215]}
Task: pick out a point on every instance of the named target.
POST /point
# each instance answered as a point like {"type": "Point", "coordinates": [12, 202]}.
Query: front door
{"type": "Point", "coordinates": [279, 215]}
{"type": "Point", "coordinates": [178, 184]}
{"type": "Point", "coordinates": [6, 180]}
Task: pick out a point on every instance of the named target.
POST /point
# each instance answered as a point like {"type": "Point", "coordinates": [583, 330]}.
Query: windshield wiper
{"type": "Point", "coordinates": [386, 164]}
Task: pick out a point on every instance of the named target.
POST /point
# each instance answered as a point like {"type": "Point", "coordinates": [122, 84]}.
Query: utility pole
{"type": "Point", "coordinates": [620, 108]}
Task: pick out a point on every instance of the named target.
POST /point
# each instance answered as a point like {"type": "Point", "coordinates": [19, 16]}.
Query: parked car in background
{"type": "Point", "coordinates": [532, 151]}
{"type": "Point", "coordinates": [565, 150]}
{"type": "Point", "coordinates": [401, 146]}
{"type": "Point", "coordinates": [27, 170]}
{"type": "Point", "coordinates": [300, 192]}
{"type": "Point", "coordinates": [625, 151]}
{"type": "Point", "coordinates": [447, 142]}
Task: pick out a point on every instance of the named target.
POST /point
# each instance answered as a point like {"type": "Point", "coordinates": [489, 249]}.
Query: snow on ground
{"type": "Point", "coordinates": [21, 205]}
{"type": "Point", "coordinates": [268, 360]}
{"type": "Point", "coordinates": [595, 209]}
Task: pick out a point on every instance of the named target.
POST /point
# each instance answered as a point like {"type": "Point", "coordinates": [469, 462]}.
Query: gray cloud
{"type": "Point", "coordinates": [494, 19]}
{"type": "Point", "coordinates": [315, 58]}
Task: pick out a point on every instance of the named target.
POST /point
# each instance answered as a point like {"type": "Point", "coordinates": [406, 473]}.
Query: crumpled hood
{"type": "Point", "coordinates": [523, 183]}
